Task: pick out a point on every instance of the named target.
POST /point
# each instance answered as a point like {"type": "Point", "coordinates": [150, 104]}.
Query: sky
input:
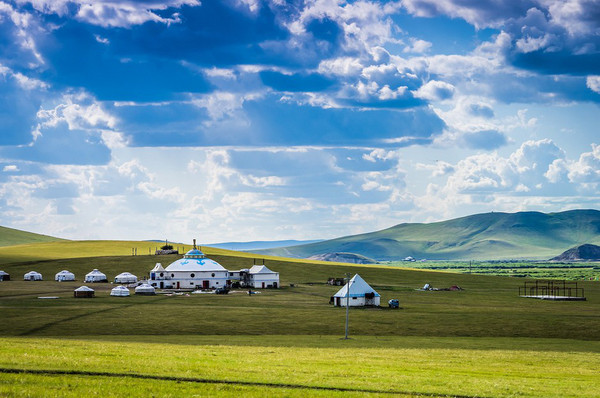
{"type": "Point", "coordinates": [241, 120]}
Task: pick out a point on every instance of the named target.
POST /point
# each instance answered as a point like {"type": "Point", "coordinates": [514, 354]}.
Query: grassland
{"type": "Point", "coordinates": [326, 366]}
{"type": "Point", "coordinates": [575, 271]}
{"type": "Point", "coordinates": [481, 341]}
{"type": "Point", "coordinates": [10, 237]}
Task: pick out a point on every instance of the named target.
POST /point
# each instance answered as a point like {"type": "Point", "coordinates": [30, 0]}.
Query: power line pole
{"type": "Point", "coordinates": [347, 303]}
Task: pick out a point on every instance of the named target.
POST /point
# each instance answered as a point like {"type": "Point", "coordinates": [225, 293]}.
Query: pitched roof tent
{"type": "Point", "coordinates": [260, 269]}
{"type": "Point", "coordinates": [358, 288]}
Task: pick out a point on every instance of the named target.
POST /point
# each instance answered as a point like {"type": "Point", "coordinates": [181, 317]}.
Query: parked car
{"type": "Point", "coordinates": [393, 303]}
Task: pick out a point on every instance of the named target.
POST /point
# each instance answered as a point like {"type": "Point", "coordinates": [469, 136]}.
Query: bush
{"type": "Point", "coordinates": [166, 247]}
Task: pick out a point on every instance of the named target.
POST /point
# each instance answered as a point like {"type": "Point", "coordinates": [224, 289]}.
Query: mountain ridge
{"type": "Point", "coordinates": [484, 236]}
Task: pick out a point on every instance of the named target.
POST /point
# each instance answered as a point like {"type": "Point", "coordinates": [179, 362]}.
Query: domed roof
{"type": "Point", "coordinates": [194, 253]}
{"type": "Point", "coordinates": [195, 264]}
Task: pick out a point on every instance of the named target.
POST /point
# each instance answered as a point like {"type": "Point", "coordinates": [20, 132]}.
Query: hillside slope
{"type": "Point", "coordinates": [10, 236]}
{"type": "Point", "coordinates": [488, 236]}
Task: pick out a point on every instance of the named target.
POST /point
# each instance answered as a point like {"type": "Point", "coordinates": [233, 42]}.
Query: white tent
{"type": "Point", "coordinates": [32, 276]}
{"type": "Point", "coordinates": [126, 277]}
{"type": "Point", "coordinates": [64, 275]}
{"type": "Point", "coordinates": [83, 291]}
{"type": "Point", "coordinates": [262, 277]}
{"type": "Point", "coordinates": [360, 294]}
{"type": "Point", "coordinates": [95, 276]}
{"type": "Point", "coordinates": [145, 289]}
{"type": "Point", "coordinates": [4, 276]}
{"type": "Point", "coordinates": [120, 291]}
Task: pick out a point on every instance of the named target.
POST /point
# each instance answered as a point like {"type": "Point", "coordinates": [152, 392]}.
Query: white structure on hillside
{"type": "Point", "coordinates": [120, 291]}
{"type": "Point", "coordinates": [360, 294]}
{"type": "Point", "coordinates": [126, 277]}
{"type": "Point", "coordinates": [32, 276]}
{"type": "Point", "coordinates": [64, 275]}
{"type": "Point", "coordinates": [4, 276]}
{"type": "Point", "coordinates": [193, 271]}
{"type": "Point", "coordinates": [260, 277]}
{"type": "Point", "coordinates": [95, 276]}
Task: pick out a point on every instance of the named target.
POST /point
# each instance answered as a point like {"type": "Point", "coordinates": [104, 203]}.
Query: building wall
{"type": "Point", "coordinates": [355, 301]}
{"type": "Point", "coordinates": [270, 280]}
{"type": "Point", "coordinates": [185, 279]}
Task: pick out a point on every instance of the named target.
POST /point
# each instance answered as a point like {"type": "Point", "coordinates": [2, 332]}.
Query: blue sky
{"type": "Point", "coordinates": [272, 119]}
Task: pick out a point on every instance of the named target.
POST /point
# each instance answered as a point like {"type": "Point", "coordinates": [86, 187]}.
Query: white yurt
{"type": "Point", "coordinates": [4, 276]}
{"type": "Point", "coordinates": [32, 276]}
{"type": "Point", "coordinates": [360, 294]}
{"type": "Point", "coordinates": [95, 276]}
{"type": "Point", "coordinates": [120, 291]}
{"type": "Point", "coordinates": [126, 277]}
{"type": "Point", "coordinates": [64, 275]}
{"type": "Point", "coordinates": [83, 292]}
{"type": "Point", "coordinates": [145, 290]}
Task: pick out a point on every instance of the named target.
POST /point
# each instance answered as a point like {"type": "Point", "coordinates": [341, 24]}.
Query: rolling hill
{"type": "Point", "coordinates": [10, 237]}
{"type": "Point", "coordinates": [488, 236]}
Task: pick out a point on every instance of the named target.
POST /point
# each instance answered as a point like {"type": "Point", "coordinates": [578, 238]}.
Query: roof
{"type": "Point", "coordinates": [122, 274]}
{"type": "Point", "coordinates": [84, 289]}
{"type": "Point", "coordinates": [158, 268]}
{"type": "Point", "coordinates": [3, 273]}
{"type": "Point", "coordinates": [145, 288]}
{"type": "Point", "coordinates": [261, 269]}
{"type": "Point", "coordinates": [195, 264]}
{"type": "Point", "coordinates": [194, 253]}
{"type": "Point", "coordinates": [64, 272]}
{"type": "Point", "coordinates": [358, 288]}
{"type": "Point", "coordinates": [120, 288]}
{"type": "Point", "coordinates": [33, 273]}
{"type": "Point", "coordinates": [95, 272]}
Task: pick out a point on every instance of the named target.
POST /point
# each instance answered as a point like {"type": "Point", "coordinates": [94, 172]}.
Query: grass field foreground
{"type": "Point", "coordinates": [261, 368]}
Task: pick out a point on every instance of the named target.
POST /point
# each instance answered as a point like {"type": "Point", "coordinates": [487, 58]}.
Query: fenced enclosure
{"type": "Point", "coordinates": [552, 290]}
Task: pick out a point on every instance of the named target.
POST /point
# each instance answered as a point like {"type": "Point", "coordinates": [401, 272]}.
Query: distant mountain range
{"type": "Point", "coordinates": [489, 236]}
{"type": "Point", "coordinates": [259, 244]}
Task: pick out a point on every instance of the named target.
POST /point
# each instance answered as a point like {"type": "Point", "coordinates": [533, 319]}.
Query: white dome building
{"type": "Point", "coordinates": [95, 276]}
{"type": "Point", "coordinates": [126, 277]}
{"type": "Point", "coordinates": [145, 290]}
{"type": "Point", "coordinates": [64, 275]}
{"type": "Point", "coordinates": [193, 271]}
{"type": "Point", "coordinates": [119, 291]}
{"type": "Point", "coordinates": [32, 276]}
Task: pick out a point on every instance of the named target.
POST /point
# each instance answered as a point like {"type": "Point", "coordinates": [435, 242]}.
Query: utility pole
{"type": "Point", "coordinates": [347, 303]}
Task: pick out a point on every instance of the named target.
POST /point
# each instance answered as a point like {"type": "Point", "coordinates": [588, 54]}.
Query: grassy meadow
{"type": "Point", "coordinates": [482, 341]}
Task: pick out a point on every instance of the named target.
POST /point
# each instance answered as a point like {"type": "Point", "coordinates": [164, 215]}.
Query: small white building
{"type": "Point", "coordinates": [260, 277]}
{"type": "Point", "coordinates": [119, 291]}
{"type": "Point", "coordinates": [95, 276]}
{"type": "Point", "coordinates": [32, 276]}
{"type": "Point", "coordinates": [64, 275]}
{"type": "Point", "coordinates": [360, 294]}
{"type": "Point", "coordinates": [145, 290]}
{"type": "Point", "coordinates": [126, 277]}
{"type": "Point", "coordinates": [193, 271]}
{"type": "Point", "coordinates": [4, 276]}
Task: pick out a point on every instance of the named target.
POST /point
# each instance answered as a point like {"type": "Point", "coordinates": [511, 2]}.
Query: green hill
{"type": "Point", "coordinates": [489, 236]}
{"type": "Point", "coordinates": [10, 237]}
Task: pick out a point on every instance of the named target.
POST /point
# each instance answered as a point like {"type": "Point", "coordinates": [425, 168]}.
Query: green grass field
{"type": "Point", "coordinates": [482, 341]}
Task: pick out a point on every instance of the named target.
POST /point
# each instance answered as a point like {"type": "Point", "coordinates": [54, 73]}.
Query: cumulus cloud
{"type": "Point", "coordinates": [593, 83]}
{"type": "Point", "coordinates": [435, 91]}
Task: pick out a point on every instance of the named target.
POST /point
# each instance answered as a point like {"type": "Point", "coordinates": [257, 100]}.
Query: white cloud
{"type": "Point", "coordinates": [9, 168]}
{"type": "Point", "coordinates": [435, 90]}
{"type": "Point", "coordinates": [593, 83]}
